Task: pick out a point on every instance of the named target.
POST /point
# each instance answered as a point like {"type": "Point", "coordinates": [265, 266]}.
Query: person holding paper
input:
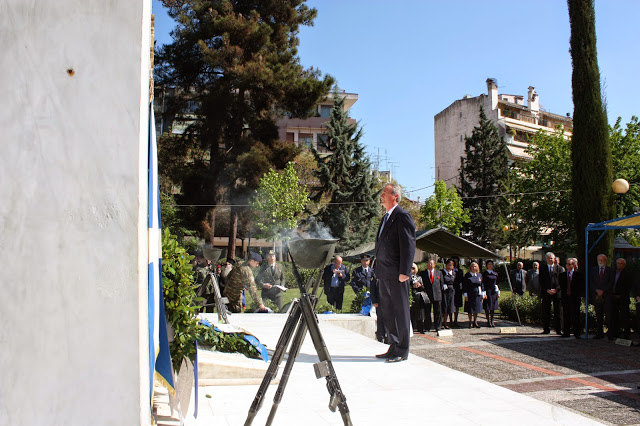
{"type": "Point", "coordinates": [271, 280]}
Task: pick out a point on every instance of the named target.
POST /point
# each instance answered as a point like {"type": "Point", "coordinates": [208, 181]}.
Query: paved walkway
{"type": "Point", "coordinates": [406, 393]}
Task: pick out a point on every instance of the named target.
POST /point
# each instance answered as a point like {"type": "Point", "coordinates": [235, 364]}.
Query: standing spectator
{"type": "Point", "coordinates": [550, 291]}
{"type": "Point", "coordinates": [271, 275]}
{"type": "Point", "coordinates": [518, 280]}
{"type": "Point", "coordinates": [335, 276]}
{"type": "Point", "coordinates": [473, 294]}
{"type": "Point", "coordinates": [620, 302]}
{"type": "Point", "coordinates": [601, 279]}
{"type": "Point", "coordinates": [395, 249]}
{"type": "Point", "coordinates": [571, 285]}
{"type": "Point", "coordinates": [458, 297]}
{"type": "Point", "coordinates": [449, 278]}
{"type": "Point", "coordinates": [363, 275]}
{"type": "Point", "coordinates": [490, 282]}
{"type": "Point", "coordinates": [533, 280]}
{"type": "Point", "coordinates": [432, 279]}
{"type": "Point", "coordinates": [420, 297]}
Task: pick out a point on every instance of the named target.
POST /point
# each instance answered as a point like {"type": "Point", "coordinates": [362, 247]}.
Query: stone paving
{"type": "Point", "coordinates": [593, 376]}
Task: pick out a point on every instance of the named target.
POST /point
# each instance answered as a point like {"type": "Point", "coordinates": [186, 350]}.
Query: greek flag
{"type": "Point", "coordinates": [159, 356]}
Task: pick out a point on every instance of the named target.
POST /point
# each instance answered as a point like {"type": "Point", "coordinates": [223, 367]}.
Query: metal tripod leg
{"type": "Point", "coordinates": [219, 300]}
{"type": "Point", "coordinates": [281, 347]}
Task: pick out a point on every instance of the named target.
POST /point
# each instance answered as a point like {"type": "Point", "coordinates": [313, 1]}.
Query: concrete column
{"type": "Point", "coordinates": [73, 212]}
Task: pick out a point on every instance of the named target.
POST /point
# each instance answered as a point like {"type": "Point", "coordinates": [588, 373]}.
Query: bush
{"type": "Point", "coordinates": [180, 300]}
{"type": "Point", "coordinates": [356, 303]}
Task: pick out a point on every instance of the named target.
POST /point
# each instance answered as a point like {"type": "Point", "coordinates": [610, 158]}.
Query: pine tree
{"type": "Point", "coordinates": [235, 64]}
{"type": "Point", "coordinates": [346, 182]}
{"type": "Point", "coordinates": [591, 150]}
{"type": "Point", "coordinates": [483, 170]}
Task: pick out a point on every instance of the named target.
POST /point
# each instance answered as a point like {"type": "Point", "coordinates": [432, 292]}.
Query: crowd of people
{"type": "Point", "coordinates": [406, 298]}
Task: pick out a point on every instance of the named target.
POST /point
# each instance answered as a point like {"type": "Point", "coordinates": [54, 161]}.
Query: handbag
{"type": "Point", "coordinates": [425, 297]}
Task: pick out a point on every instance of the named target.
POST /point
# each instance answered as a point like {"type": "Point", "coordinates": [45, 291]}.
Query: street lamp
{"type": "Point", "coordinates": [620, 187]}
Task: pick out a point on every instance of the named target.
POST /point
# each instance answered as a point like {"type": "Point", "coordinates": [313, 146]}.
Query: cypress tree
{"type": "Point", "coordinates": [346, 182]}
{"type": "Point", "coordinates": [591, 150]}
{"type": "Point", "coordinates": [483, 170]}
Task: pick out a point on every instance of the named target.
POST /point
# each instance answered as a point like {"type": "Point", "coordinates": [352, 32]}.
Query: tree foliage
{"type": "Point", "coordinates": [346, 181]}
{"type": "Point", "coordinates": [542, 201]}
{"type": "Point", "coordinates": [625, 148]}
{"type": "Point", "coordinates": [444, 209]}
{"type": "Point", "coordinates": [279, 200]}
{"type": "Point", "coordinates": [591, 151]}
{"type": "Point", "coordinates": [483, 171]}
{"type": "Point", "coordinates": [234, 65]}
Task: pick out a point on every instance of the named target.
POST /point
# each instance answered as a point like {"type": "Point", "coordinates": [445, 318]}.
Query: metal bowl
{"type": "Point", "coordinates": [212, 254]}
{"type": "Point", "coordinates": [312, 253]}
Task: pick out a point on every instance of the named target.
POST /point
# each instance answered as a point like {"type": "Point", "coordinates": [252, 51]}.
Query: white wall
{"type": "Point", "coordinates": [73, 212]}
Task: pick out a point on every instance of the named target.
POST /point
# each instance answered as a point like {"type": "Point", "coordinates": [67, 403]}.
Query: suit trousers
{"type": "Point", "coordinates": [437, 315]}
{"type": "Point", "coordinates": [394, 301]}
{"type": "Point", "coordinates": [335, 296]}
{"type": "Point", "coordinates": [619, 316]}
{"type": "Point", "coordinates": [571, 315]}
{"type": "Point", "coordinates": [547, 299]}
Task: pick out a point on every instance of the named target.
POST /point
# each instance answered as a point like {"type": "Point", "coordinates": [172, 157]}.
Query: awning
{"type": "Point", "coordinates": [516, 151]}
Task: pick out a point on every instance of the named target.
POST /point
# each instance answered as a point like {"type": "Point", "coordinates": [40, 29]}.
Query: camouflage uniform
{"type": "Point", "coordinates": [240, 277]}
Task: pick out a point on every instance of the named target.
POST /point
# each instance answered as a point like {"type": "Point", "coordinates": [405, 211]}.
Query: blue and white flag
{"type": "Point", "coordinates": [159, 356]}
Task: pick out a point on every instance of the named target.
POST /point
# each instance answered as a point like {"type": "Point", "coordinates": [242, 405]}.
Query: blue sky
{"type": "Point", "coordinates": [409, 59]}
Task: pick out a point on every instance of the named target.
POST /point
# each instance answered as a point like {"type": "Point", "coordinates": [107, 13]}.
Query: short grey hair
{"type": "Point", "coordinates": [550, 254]}
{"type": "Point", "coordinates": [395, 189]}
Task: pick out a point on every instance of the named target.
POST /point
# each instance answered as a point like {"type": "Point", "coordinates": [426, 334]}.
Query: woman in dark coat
{"type": "Point", "coordinates": [490, 283]}
{"type": "Point", "coordinates": [449, 278]}
{"type": "Point", "coordinates": [459, 291]}
{"type": "Point", "coordinates": [473, 294]}
{"type": "Point", "coordinates": [418, 305]}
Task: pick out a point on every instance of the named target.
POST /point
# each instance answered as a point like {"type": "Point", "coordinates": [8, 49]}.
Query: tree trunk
{"type": "Point", "coordinates": [233, 231]}
{"type": "Point", "coordinates": [590, 150]}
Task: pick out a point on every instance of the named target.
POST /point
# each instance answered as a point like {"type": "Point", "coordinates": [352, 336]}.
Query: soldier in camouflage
{"type": "Point", "coordinates": [241, 277]}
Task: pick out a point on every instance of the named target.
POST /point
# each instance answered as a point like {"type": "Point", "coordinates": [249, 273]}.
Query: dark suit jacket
{"type": "Point", "coordinates": [396, 246]}
{"type": "Point", "coordinates": [433, 289]}
{"type": "Point", "coordinates": [550, 281]}
{"type": "Point", "coordinates": [362, 279]}
{"type": "Point", "coordinates": [623, 285]}
{"type": "Point", "coordinates": [606, 284]}
{"type": "Point", "coordinates": [327, 275]}
{"type": "Point", "coordinates": [523, 284]}
{"type": "Point", "coordinates": [577, 283]}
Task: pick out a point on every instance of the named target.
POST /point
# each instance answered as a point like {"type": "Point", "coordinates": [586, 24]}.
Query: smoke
{"type": "Point", "coordinates": [311, 228]}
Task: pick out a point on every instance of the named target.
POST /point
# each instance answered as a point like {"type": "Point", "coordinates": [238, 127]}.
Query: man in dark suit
{"type": "Point", "coordinates": [432, 280]}
{"type": "Point", "coordinates": [571, 287]}
{"type": "Point", "coordinates": [601, 279]}
{"type": "Point", "coordinates": [518, 280]}
{"type": "Point", "coordinates": [335, 276]}
{"type": "Point", "coordinates": [271, 275]}
{"type": "Point", "coordinates": [363, 275]}
{"type": "Point", "coordinates": [395, 249]}
{"type": "Point", "coordinates": [550, 292]}
{"type": "Point", "coordinates": [619, 306]}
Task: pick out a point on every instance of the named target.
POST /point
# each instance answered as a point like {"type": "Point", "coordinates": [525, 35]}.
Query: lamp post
{"type": "Point", "coordinates": [620, 187]}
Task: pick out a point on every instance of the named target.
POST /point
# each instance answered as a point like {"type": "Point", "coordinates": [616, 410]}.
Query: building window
{"type": "Point", "coordinates": [290, 137]}
{"type": "Point", "coordinates": [461, 138]}
{"type": "Point", "coordinates": [306, 140]}
{"type": "Point", "coordinates": [325, 111]}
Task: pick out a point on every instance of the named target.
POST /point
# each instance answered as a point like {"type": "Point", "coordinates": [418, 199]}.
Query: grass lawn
{"type": "Point", "coordinates": [294, 293]}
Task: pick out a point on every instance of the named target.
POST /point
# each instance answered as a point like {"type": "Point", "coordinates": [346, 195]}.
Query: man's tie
{"type": "Point", "coordinates": [601, 273]}
{"type": "Point", "coordinates": [431, 276]}
{"type": "Point", "coordinates": [568, 283]}
{"type": "Point", "coordinates": [384, 221]}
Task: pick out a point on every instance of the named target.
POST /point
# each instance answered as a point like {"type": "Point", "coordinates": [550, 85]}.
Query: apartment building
{"type": "Point", "coordinates": [516, 121]}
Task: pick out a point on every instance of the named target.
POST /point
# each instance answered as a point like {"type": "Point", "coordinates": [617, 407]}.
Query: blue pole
{"type": "Point", "coordinates": [586, 285]}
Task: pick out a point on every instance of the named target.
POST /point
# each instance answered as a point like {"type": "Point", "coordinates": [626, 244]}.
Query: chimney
{"type": "Point", "coordinates": [533, 101]}
{"type": "Point", "coordinates": [492, 91]}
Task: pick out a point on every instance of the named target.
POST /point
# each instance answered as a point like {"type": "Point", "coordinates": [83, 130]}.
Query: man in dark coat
{"type": "Point", "coordinates": [619, 306]}
{"type": "Point", "coordinates": [395, 250]}
{"type": "Point", "coordinates": [571, 287]}
{"type": "Point", "coordinates": [335, 276]}
{"type": "Point", "coordinates": [601, 280]}
{"type": "Point", "coordinates": [550, 293]}
{"type": "Point", "coordinates": [363, 275]}
{"type": "Point", "coordinates": [271, 280]}
{"type": "Point", "coordinates": [518, 280]}
{"type": "Point", "coordinates": [432, 280]}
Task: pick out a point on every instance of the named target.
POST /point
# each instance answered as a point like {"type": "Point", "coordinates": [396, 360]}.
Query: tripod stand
{"type": "Point", "coordinates": [220, 301]}
{"type": "Point", "coordinates": [303, 316]}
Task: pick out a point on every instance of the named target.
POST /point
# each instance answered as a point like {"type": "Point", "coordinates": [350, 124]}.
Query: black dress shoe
{"type": "Point", "coordinates": [385, 355]}
{"type": "Point", "coordinates": [546, 331]}
{"type": "Point", "coordinates": [558, 332]}
{"type": "Point", "coordinates": [566, 335]}
{"type": "Point", "coordinates": [397, 359]}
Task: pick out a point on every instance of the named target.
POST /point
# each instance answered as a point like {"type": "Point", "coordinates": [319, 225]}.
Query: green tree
{"type": "Point", "coordinates": [346, 182]}
{"type": "Point", "coordinates": [279, 200]}
{"type": "Point", "coordinates": [541, 200]}
{"type": "Point", "coordinates": [591, 150]}
{"type": "Point", "coordinates": [444, 208]}
{"type": "Point", "coordinates": [483, 172]}
{"type": "Point", "coordinates": [234, 66]}
{"type": "Point", "coordinates": [625, 149]}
